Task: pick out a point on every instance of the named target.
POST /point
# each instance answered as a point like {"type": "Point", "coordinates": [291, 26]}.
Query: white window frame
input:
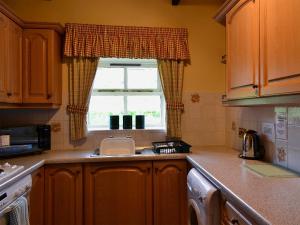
{"type": "Point", "coordinates": [106, 63]}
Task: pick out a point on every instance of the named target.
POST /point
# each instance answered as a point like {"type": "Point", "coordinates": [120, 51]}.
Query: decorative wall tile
{"type": "Point", "coordinates": [281, 154]}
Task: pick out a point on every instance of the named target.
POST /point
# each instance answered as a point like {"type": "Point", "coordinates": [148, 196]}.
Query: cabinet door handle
{"type": "Point", "coordinates": [234, 222]}
{"type": "Point", "coordinates": [49, 96]}
{"type": "Point", "coordinates": [254, 86]}
{"type": "Point", "coordinates": [9, 94]}
{"type": "Point", "coordinates": [224, 59]}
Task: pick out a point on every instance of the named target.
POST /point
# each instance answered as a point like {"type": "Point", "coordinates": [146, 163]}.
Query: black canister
{"type": "Point", "coordinates": [140, 122]}
{"type": "Point", "coordinates": [127, 122]}
{"type": "Point", "coordinates": [114, 122]}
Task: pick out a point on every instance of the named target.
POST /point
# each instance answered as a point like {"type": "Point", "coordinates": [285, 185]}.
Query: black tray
{"type": "Point", "coordinates": [170, 147]}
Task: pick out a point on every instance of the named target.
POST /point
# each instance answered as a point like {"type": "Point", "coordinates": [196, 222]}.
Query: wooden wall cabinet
{"type": "Point", "coordinates": [242, 35]}
{"type": "Point", "coordinates": [170, 199]}
{"type": "Point", "coordinates": [42, 66]}
{"type": "Point", "coordinates": [280, 47]}
{"type": "Point", "coordinates": [63, 194]}
{"type": "Point", "coordinates": [10, 61]}
{"type": "Point", "coordinates": [263, 49]}
{"type": "Point", "coordinates": [118, 193]}
{"type": "Point", "coordinates": [36, 200]}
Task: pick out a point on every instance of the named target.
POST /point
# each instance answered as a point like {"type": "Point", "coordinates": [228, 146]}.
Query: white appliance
{"type": "Point", "coordinates": [15, 195]}
{"type": "Point", "coordinates": [203, 200]}
{"type": "Point", "coordinates": [117, 146]}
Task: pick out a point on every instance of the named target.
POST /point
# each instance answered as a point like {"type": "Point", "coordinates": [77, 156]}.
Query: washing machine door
{"type": "Point", "coordinates": [194, 217]}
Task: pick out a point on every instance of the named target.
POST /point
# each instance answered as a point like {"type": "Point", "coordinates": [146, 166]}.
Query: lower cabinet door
{"type": "Point", "coordinates": [63, 194]}
{"type": "Point", "coordinates": [170, 199]}
{"type": "Point", "coordinates": [118, 193]}
{"type": "Point", "coordinates": [36, 198]}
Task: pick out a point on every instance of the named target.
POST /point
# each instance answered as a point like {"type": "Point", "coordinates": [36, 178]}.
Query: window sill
{"type": "Point", "coordinates": [155, 129]}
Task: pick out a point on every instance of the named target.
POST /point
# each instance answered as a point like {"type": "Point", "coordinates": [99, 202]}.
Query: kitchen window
{"type": "Point", "coordinates": [126, 87]}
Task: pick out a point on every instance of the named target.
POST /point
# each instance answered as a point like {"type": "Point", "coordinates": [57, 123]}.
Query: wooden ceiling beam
{"type": "Point", "coordinates": [175, 2]}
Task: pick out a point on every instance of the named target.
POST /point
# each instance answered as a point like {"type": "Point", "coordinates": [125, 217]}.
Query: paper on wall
{"type": "Point", "coordinates": [281, 123]}
{"type": "Point", "coordinates": [269, 131]}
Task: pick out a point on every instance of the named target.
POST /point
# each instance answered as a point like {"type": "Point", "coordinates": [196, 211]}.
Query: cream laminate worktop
{"type": "Point", "coordinates": [268, 200]}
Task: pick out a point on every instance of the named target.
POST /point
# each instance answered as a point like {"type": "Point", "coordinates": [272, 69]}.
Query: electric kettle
{"type": "Point", "coordinates": [251, 147]}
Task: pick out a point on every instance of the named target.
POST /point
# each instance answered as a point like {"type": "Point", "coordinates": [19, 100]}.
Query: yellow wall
{"type": "Point", "coordinates": [206, 37]}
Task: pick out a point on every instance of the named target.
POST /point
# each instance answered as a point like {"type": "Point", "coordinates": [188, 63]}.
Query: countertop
{"type": "Point", "coordinates": [268, 200]}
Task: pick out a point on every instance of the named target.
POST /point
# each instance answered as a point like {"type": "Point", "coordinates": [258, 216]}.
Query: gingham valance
{"type": "Point", "coordinates": [86, 40]}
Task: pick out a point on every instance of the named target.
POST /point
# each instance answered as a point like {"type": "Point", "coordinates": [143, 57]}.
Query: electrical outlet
{"type": "Point", "coordinates": [56, 127]}
{"type": "Point", "coordinates": [242, 131]}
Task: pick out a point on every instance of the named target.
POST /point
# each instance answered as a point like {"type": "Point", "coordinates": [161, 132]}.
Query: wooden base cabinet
{"type": "Point", "coordinates": [63, 194]}
{"type": "Point", "coordinates": [118, 193]}
{"type": "Point", "coordinates": [170, 194]}
{"type": "Point", "coordinates": [114, 193]}
{"type": "Point", "coordinates": [36, 200]}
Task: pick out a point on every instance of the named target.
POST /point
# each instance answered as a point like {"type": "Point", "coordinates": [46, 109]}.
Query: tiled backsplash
{"type": "Point", "coordinates": [282, 149]}
{"type": "Point", "coordinates": [203, 123]}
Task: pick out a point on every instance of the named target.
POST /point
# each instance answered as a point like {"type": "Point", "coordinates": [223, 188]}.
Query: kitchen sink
{"type": "Point", "coordinates": [138, 151]}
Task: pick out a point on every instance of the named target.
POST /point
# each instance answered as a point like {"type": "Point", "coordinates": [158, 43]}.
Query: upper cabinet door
{"type": "Point", "coordinates": [280, 46]}
{"type": "Point", "coordinates": [3, 56]}
{"type": "Point", "coordinates": [41, 66]}
{"type": "Point", "coordinates": [35, 84]}
{"type": "Point", "coordinates": [242, 33]}
{"type": "Point", "coordinates": [14, 64]}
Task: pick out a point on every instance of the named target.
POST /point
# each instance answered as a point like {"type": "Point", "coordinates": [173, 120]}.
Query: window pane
{"type": "Point", "coordinates": [148, 106]}
{"type": "Point", "coordinates": [101, 107]}
{"type": "Point", "coordinates": [109, 78]}
{"type": "Point", "coordinates": [142, 78]}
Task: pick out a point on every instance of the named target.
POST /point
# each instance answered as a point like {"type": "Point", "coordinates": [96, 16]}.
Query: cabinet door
{"type": "Point", "coordinates": [118, 193]}
{"type": "Point", "coordinates": [14, 64]}
{"type": "Point", "coordinates": [3, 56]}
{"type": "Point", "coordinates": [280, 47]}
{"type": "Point", "coordinates": [170, 200]}
{"type": "Point", "coordinates": [36, 44]}
{"type": "Point", "coordinates": [242, 33]}
{"type": "Point", "coordinates": [63, 195]}
{"type": "Point", "coordinates": [36, 202]}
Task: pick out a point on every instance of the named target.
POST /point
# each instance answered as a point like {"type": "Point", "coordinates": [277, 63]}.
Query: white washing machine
{"type": "Point", "coordinates": [203, 200]}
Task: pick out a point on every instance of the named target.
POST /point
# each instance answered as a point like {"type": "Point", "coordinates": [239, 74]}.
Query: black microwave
{"type": "Point", "coordinates": [26, 140]}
